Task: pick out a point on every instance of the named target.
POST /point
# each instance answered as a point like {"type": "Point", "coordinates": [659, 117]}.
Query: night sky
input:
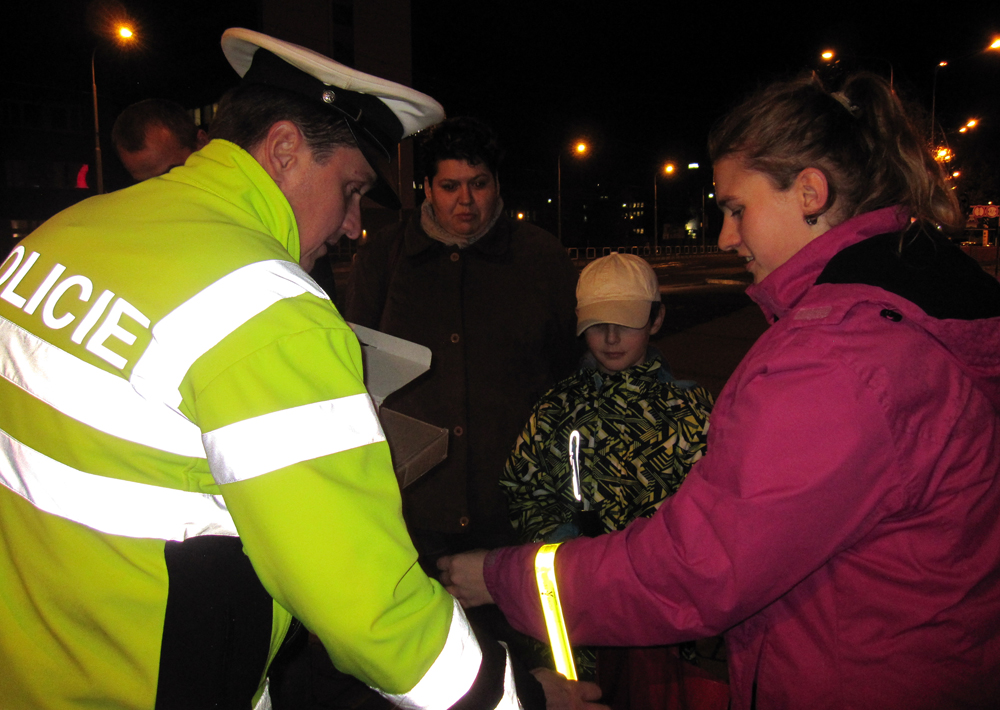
{"type": "Point", "coordinates": [643, 82]}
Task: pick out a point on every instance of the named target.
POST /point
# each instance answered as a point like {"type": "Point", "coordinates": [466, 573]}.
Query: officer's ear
{"type": "Point", "coordinates": [283, 152]}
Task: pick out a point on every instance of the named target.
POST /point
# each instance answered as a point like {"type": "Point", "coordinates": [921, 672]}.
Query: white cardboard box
{"type": "Point", "coordinates": [390, 363]}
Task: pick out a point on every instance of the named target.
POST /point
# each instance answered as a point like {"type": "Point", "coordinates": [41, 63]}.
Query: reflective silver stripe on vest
{"type": "Point", "coordinates": [91, 395]}
{"type": "Point", "coordinates": [452, 673]}
{"type": "Point", "coordinates": [259, 445]}
{"type": "Point", "coordinates": [109, 505]}
{"type": "Point", "coordinates": [201, 322]}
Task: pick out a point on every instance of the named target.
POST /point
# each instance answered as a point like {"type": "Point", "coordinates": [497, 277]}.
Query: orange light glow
{"type": "Point", "coordinates": [827, 55]}
{"type": "Point", "coordinates": [125, 32]}
{"type": "Point", "coordinates": [669, 168]}
{"type": "Point", "coordinates": [581, 148]}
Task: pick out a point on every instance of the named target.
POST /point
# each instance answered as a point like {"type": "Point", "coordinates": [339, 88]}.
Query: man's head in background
{"type": "Point", "coordinates": [155, 135]}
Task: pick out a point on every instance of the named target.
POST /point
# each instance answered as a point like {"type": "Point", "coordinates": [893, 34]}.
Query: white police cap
{"type": "Point", "coordinates": [378, 112]}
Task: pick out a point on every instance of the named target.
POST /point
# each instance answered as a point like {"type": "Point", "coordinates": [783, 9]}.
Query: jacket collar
{"type": "Point", "coordinates": [493, 243]}
{"type": "Point", "coordinates": [784, 287]}
{"type": "Point", "coordinates": [226, 170]}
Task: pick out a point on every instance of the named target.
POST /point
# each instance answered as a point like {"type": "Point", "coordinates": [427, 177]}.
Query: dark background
{"type": "Point", "coordinates": [641, 82]}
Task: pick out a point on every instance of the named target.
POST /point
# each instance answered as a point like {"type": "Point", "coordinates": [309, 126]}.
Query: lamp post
{"type": "Point", "coordinates": [125, 34]}
{"type": "Point", "coordinates": [580, 149]}
{"type": "Point", "coordinates": [994, 45]}
{"type": "Point", "coordinates": [668, 169]}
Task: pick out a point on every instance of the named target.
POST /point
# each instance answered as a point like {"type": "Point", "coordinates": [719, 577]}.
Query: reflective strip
{"type": "Point", "coordinates": [265, 699]}
{"type": "Point", "coordinates": [259, 445]}
{"type": "Point", "coordinates": [509, 699]}
{"type": "Point", "coordinates": [91, 395]}
{"type": "Point", "coordinates": [201, 322]}
{"type": "Point", "coordinates": [452, 673]}
{"type": "Point", "coordinates": [110, 505]}
{"type": "Point", "coordinates": [548, 592]}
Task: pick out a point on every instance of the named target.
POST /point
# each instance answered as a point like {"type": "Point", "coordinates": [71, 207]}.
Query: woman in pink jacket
{"type": "Point", "coordinates": [844, 528]}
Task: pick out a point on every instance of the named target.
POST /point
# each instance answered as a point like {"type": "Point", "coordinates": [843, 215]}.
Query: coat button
{"type": "Point", "coordinates": [891, 315]}
{"type": "Point", "coordinates": [458, 431]}
{"type": "Point", "coordinates": [454, 256]}
{"type": "Point", "coordinates": [463, 521]}
{"type": "Point", "coordinates": [454, 337]}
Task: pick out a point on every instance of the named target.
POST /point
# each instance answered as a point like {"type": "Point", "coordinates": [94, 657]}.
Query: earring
{"type": "Point", "coordinates": [812, 219]}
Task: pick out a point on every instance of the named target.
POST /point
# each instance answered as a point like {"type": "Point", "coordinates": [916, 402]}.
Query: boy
{"type": "Point", "coordinates": [640, 430]}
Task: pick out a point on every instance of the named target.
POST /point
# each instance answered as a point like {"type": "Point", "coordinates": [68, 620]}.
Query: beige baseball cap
{"type": "Point", "coordinates": [618, 288]}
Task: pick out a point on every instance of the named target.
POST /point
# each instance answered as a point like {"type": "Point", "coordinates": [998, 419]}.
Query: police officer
{"type": "Point", "coordinates": [187, 451]}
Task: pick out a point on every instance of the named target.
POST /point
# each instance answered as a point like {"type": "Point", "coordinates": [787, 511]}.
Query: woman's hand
{"type": "Point", "coordinates": [562, 694]}
{"type": "Point", "coordinates": [462, 576]}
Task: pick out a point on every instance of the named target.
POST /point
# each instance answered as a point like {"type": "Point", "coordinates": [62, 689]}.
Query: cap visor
{"type": "Point", "coordinates": [382, 191]}
{"type": "Point", "coordinates": [631, 314]}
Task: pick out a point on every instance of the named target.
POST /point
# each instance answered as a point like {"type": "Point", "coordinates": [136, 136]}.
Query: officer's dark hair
{"type": "Point", "coordinates": [247, 113]}
{"type": "Point", "coordinates": [463, 138]}
{"type": "Point", "coordinates": [129, 132]}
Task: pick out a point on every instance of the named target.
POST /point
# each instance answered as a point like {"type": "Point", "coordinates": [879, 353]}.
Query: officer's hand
{"type": "Point", "coordinates": [462, 576]}
{"type": "Point", "coordinates": [562, 694]}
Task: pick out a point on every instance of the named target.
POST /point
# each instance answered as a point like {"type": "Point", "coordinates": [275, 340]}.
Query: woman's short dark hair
{"type": "Point", "coordinates": [247, 113]}
{"type": "Point", "coordinates": [463, 138]}
{"type": "Point", "coordinates": [860, 137]}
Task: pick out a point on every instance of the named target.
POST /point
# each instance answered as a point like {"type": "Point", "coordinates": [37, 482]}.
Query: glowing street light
{"type": "Point", "coordinates": [668, 170]}
{"type": "Point", "coordinates": [830, 57]}
{"type": "Point", "coordinates": [994, 45]}
{"type": "Point", "coordinates": [124, 34]}
{"type": "Point", "coordinates": [580, 149]}
{"type": "Point", "coordinates": [943, 155]}
{"type": "Point", "coordinates": [970, 124]}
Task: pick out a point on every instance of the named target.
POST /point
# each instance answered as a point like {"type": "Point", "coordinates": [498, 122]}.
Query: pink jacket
{"type": "Point", "coordinates": [844, 528]}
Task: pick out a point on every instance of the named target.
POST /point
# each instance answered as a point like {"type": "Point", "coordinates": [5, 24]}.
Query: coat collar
{"type": "Point", "coordinates": [493, 243]}
{"type": "Point", "coordinates": [784, 287]}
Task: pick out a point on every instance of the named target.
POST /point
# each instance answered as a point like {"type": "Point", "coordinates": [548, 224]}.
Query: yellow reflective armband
{"type": "Point", "coordinates": [548, 592]}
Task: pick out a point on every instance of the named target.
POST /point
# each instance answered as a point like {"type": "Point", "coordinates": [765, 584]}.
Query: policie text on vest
{"type": "Point", "coordinates": [52, 289]}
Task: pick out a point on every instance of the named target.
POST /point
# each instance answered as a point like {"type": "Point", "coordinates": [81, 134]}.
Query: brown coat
{"type": "Point", "coordinates": [499, 319]}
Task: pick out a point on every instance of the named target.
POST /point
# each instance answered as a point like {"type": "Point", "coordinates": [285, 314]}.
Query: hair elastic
{"type": "Point", "coordinates": [845, 102]}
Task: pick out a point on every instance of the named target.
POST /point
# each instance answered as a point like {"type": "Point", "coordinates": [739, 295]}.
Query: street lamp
{"type": "Point", "coordinates": [970, 124]}
{"type": "Point", "coordinates": [580, 149]}
{"type": "Point", "coordinates": [667, 169]}
{"type": "Point", "coordinates": [829, 56]}
{"type": "Point", "coordinates": [994, 45]}
{"type": "Point", "coordinates": [124, 34]}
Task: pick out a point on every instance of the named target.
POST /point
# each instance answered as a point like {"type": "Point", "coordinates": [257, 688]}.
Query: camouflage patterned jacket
{"type": "Point", "coordinates": [640, 433]}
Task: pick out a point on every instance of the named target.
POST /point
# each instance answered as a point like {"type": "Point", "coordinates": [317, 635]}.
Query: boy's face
{"type": "Point", "coordinates": [617, 347]}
